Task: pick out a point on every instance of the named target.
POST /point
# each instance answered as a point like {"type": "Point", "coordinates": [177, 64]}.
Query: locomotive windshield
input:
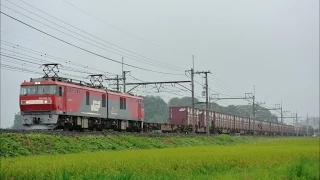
{"type": "Point", "coordinates": [42, 89]}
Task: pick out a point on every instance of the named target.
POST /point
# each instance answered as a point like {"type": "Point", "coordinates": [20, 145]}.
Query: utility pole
{"type": "Point", "coordinates": [124, 77]}
{"type": "Point", "coordinates": [207, 105]}
{"type": "Point", "coordinates": [313, 126]}
{"type": "Point", "coordinates": [117, 82]}
{"type": "Point", "coordinates": [307, 125]}
{"type": "Point", "coordinates": [192, 92]}
{"type": "Point", "coordinates": [297, 122]}
{"type": "Point", "coordinates": [207, 98]}
{"type": "Point", "coordinates": [124, 80]}
{"type": "Point", "coordinates": [192, 95]}
{"type": "Point", "coordinates": [281, 113]}
{"type": "Point", "coordinates": [253, 105]}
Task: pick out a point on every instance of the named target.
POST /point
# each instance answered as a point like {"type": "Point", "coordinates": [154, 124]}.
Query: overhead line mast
{"type": "Point", "coordinates": [207, 98]}
{"type": "Point", "coordinates": [192, 95]}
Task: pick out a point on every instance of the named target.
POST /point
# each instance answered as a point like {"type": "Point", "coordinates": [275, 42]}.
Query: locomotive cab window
{"type": "Point", "coordinates": [47, 89]}
{"type": "Point", "coordinates": [42, 89]}
{"type": "Point", "coordinates": [28, 90]}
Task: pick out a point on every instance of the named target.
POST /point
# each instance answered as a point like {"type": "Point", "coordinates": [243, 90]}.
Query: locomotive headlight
{"type": "Point", "coordinates": [24, 102]}
{"type": "Point", "coordinates": [46, 101]}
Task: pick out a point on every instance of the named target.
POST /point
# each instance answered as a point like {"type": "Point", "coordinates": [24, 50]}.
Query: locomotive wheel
{"type": "Point", "coordinates": [66, 127]}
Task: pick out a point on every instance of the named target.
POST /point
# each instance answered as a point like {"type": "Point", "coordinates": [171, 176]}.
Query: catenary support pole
{"type": "Point", "coordinates": [307, 125]}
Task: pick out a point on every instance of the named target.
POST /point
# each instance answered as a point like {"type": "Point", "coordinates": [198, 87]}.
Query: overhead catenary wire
{"type": "Point", "coordinates": [14, 68]}
{"type": "Point", "coordinates": [123, 30]}
{"type": "Point", "coordinates": [83, 40]}
{"type": "Point", "coordinates": [91, 52]}
{"type": "Point", "coordinates": [38, 43]}
{"type": "Point", "coordinates": [25, 70]}
{"type": "Point", "coordinates": [34, 59]}
{"type": "Point", "coordinates": [154, 63]}
{"type": "Point", "coordinates": [49, 57]}
{"type": "Point", "coordinates": [40, 61]}
{"type": "Point", "coordinates": [53, 57]}
{"type": "Point", "coordinates": [223, 84]}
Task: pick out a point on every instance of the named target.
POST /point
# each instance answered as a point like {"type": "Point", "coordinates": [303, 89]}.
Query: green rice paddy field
{"type": "Point", "coordinates": [261, 158]}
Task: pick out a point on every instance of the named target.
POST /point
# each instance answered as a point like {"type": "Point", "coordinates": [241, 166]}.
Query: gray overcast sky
{"type": "Point", "coordinates": [271, 44]}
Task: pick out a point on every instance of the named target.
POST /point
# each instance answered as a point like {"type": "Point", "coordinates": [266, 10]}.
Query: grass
{"type": "Point", "coordinates": [14, 144]}
{"type": "Point", "coordinates": [283, 158]}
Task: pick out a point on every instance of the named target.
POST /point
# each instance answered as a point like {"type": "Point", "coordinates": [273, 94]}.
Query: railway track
{"type": "Point", "coordinates": [95, 133]}
{"type": "Point", "coordinates": [117, 133]}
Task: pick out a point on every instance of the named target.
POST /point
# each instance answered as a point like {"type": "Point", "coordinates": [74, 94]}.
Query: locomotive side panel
{"type": "Point", "coordinates": [84, 102]}
{"type": "Point", "coordinates": [124, 107]}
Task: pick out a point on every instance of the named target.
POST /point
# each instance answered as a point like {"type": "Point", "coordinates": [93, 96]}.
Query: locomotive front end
{"type": "Point", "coordinates": [38, 105]}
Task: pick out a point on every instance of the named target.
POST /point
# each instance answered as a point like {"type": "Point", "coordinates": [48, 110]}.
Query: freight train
{"type": "Point", "coordinates": [61, 103]}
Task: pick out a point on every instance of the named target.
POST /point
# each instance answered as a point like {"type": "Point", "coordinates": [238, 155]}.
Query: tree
{"type": "Point", "coordinates": [156, 109]}
{"type": "Point", "coordinates": [184, 101]}
{"type": "Point", "coordinates": [17, 123]}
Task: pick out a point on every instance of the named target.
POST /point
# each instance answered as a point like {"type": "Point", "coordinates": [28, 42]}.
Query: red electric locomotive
{"type": "Point", "coordinates": [60, 103]}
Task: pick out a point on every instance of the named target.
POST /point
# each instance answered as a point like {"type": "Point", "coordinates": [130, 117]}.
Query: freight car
{"type": "Point", "coordinates": [181, 120]}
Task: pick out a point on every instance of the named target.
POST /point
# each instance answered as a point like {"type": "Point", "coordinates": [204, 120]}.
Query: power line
{"type": "Point", "coordinates": [222, 83]}
{"type": "Point", "coordinates": [144, 61]}
{"type": "Point", "coordinates": [18, 58]}
{"type": "Point", "coordinates": [211, 89]}
{"type": "Point", "coordinates": [20, 69]}
{"type": "Point", "coordinates": [158, 64]}
{"type": "Point", "coordinates": [51, 57]}
{"type": "Point", "coordinates": [68, 50]}
{"type": "Point", "coordinates": [14, 68]}
{"type": "Point", "coordinates": [39, 60]}
{"type": "Point", "coordinates": [123, 30]}
{"type": "Point", "coordinates": [66, 42]}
